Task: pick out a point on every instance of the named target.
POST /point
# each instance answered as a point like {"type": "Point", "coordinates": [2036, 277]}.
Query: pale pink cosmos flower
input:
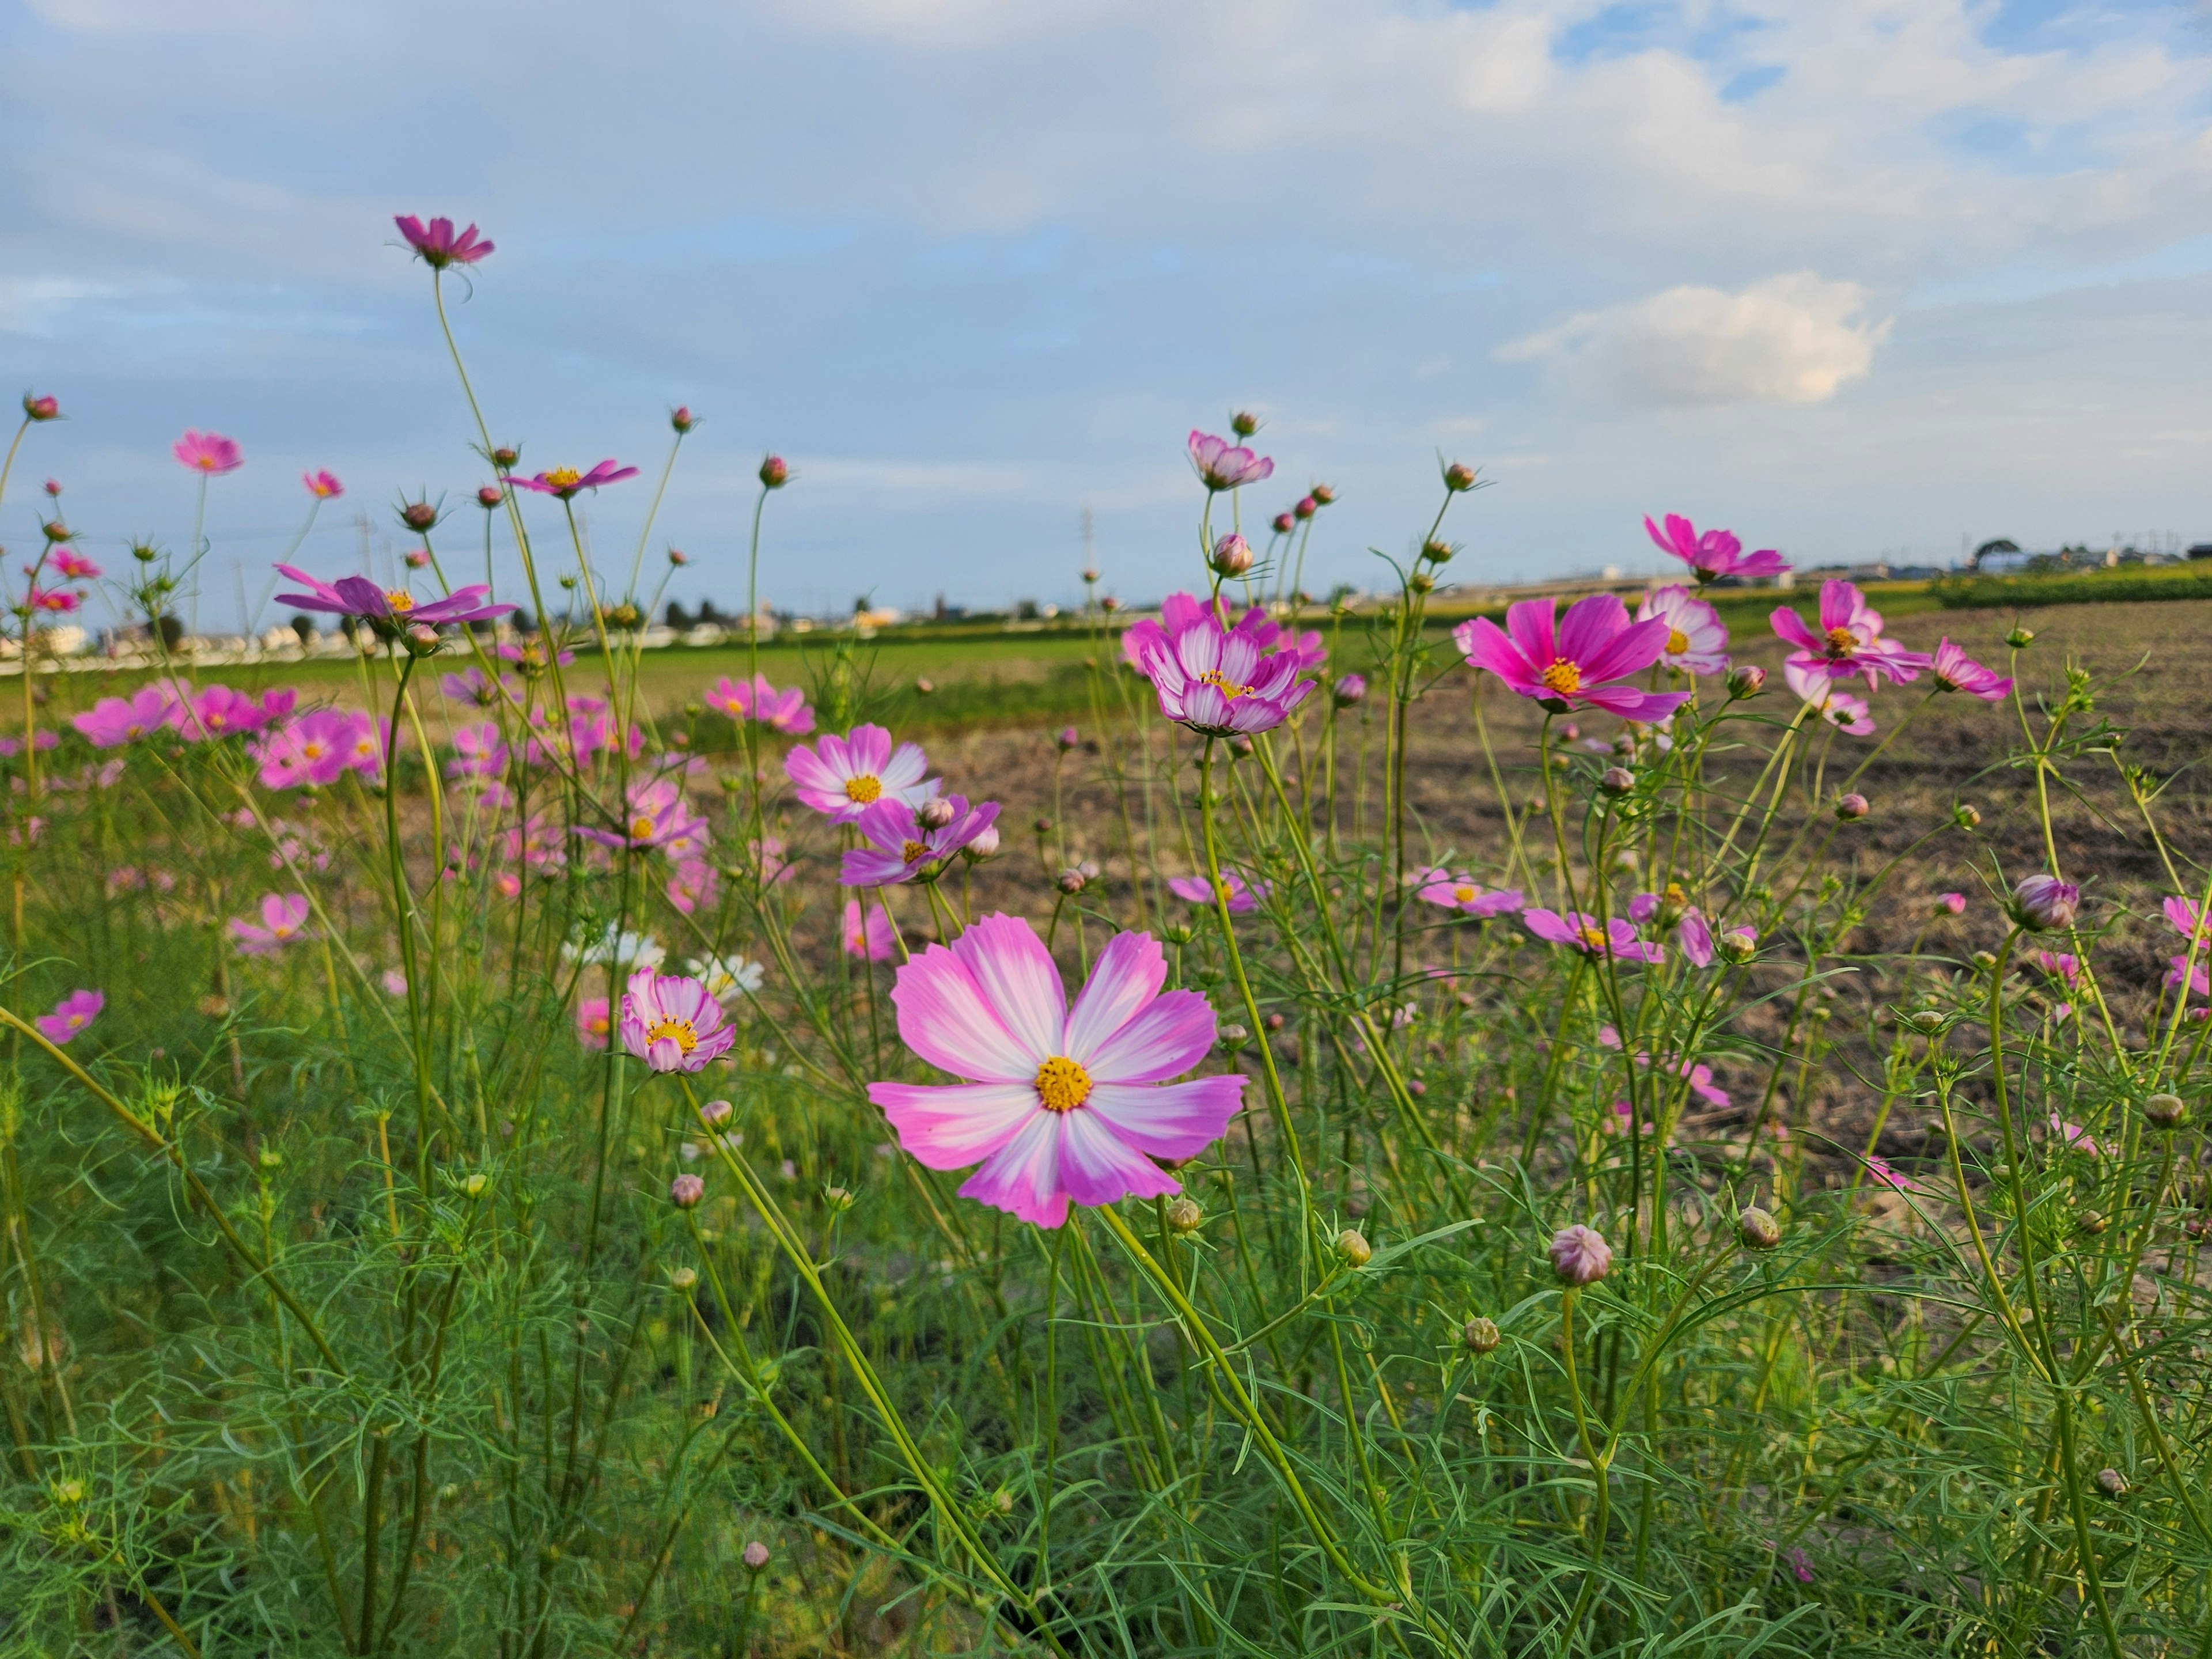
{"type": "Point", "coordinates": [1243, 897]}
{"type": "Point", "coordinates": [323, 485]}
{"type": "Point", "coordinates": [869, 940]}
{"type": "Point", "coordinates": [1841, 709]}
{"type": "Point", "coordinates": [1692, 932]}
{"type": "Point", "coordinates": [1716, 553]}
{"type": "Point", "coordinates": [71, 1015]}
{"type": "Point", "coordinates": [2180, 969]}
{"type": "Point", "coordinates": [1850, 641]}
{"type": "Point", "coordinates": [1616, 938]}
{"type": "Point", "coordinates": [592, 1023]}
{"type": "Point", "coordinates": [478, 751]}
{"type": "Point", "coordinates": [1580, 1254]}
{"type": "Point", "coordinates": [696, 883]}
{"type": "Point", "coordinates": [208, 453]}
{"type": "Point", "coordinates": [437, 245]}
{"type": "Point", "coordinates": [656, 817]}
{"type": "Point", "coordinates": [1066, 1104]}
{"type": "Point", "coordinates": [674, 1023]}
{"type": "Point", "coordinates": [1586, 661]}
{"type": "Point", "coordinates": [2190, 920]}
{"type": "Point", "coordinates": [2061, 965]}
{"type": "Point", "coordinates": [1221, 465]}
{"type": "Point", "coordinates": [114, 721]}
{"type": "Point", "coordinates": [284, 918]}
{"type": "Point", "coordinates": [1219, 681]}
{"type": "Point", "coordinates": [2075, 1137]}
{"type": "Point", "coordinates": [843, 777]}
{"type": "Point", "coordinates": [903, 848]}
{"type": "Point", "coordinates": [1955, 671]}
{"type": "Point", "coordinates": [1697, 643]}
{"type": "Point", "coordinates": [779, 711]}
{"type": "Point", "coordinates": [1457, 891]}
{"type": "Point", "coordinates": [394, 982]}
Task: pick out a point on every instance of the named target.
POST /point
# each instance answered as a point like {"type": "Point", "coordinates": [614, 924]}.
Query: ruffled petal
{"type": "Point", "coordinates": [1169, 1120]}
{"type": "Point", "coordinates": [1096, 1166]}
{"type": "Point", "coordinates": [1018, 975]}
{"type": "Point", "coordinates": [1126, 977]}
{"type": "Point", "coordinates": [1023, 1176]}
{"type": "Point", "coordinates": [1168, 1036]}
{"type": "Point", "coordinates": [952, 1127]}
{"type": "Point", "coordinates": [946, 1017]}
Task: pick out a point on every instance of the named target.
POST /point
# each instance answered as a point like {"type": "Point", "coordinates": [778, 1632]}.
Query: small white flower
{"type": "Point", "coordinates": [620, 946]}
{"type": "Point", "coordinates": [726, 979]}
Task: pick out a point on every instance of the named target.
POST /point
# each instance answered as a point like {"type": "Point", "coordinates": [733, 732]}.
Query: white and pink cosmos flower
{"type": "Point", "coordinates": [1849, 642]}
{"type": "Point", "coordinates": [1955, 671]}
{"type": "Point", "coordinates": [1697, 642]}
{"type": "Point", "coordinates": [1064, 1105]}
{"type": "Point", "coordinates": [1716, 553]}
{"type": "Point", "coordinates": [1221, 465]}
{"type": "Point", "coordinates": [284, 918]}
{"type": "Point", "coordinates": [1457, 891]}
{"type": "Point", "coordinates": [1217, 680]}
{"type": "Point", "coordinates": [901, 847]}
{"type": "Point", "coordinates": [1241, 895]}
{"type": "Point", "coordinates": [1841, 709]}
{"type": "Point", "coordinates": [782, 711]}
{"type": "Point", "coordinates": [674, 1023]}
{"type": "Point", "coordinates": [843, 777]}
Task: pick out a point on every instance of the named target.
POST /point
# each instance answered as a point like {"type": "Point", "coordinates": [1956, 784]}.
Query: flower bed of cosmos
{"type": "Point", "coordinates": [500, 1166]}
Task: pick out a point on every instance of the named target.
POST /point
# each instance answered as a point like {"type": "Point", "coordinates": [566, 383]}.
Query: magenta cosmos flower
{"type": "Point", "coordinates": [2190, 920]}
{"type": "Point", "coordinates": [317, 749]}
{"type": "Point", "coordinates": [1850, 640]}
{"type": "Point", "coordinates": [1673, 909]}
{"type": "Point", "coordinates": [1065, 1103]}
{"type": "Point", "coordinates": [388, 609]}
{"type": "Point", "coordinates": [74, 566]}
{"type": "Point", "coordinates": [1839, 708]}
{"type": "Point", "coordinates": [284, 918]}
{"type": "Point", "coordinates": [674, 1023]}
{"type": "Point", "coordinates": [218, 711]}
{"type": "Point", "coordinates": [437, 246]}
{"type": "Point", "coordinates": [1697, 643]}
{"type": "Point", "coordinates": [593, 1022]}
{"type": "Point", "coordinates": [1585, 663]}
{"type": "Point", "coordinates": [901, 847]}
{"type": "Point", "coordinates": [114, 721]}
{"type": "Point", "coordinates": [1221, 465]}
{"type": "Point", "coordinates": [565, 482]}
{"type": "Point", "coordinates": [1463, 893]}
{"type": "Point", "coordinates": [1220, 681]}
{"type": "Point", "coordinates": [1714, 555]}
{"type": "Point", "coordinates": [71, 1015]}
{"type": "Point", "coordinates": [1241, 895]}
{"type": "Point", "coordinates": [779, 711]}
{"type": "Point", "coordinates": [869, 940]}
{"type": "Point", "coordinates": [1955, 671]}
{"type": "Point", "coordinates": [844, 776]}
{"type": "Point", "coordinates": [1615, 939]}
{"type": "Point", "coordinates": [58, 601]}
{"type": "Point", "coordinates": [323, 485]}
{"type": "Point", "coordinates": [208, 453]}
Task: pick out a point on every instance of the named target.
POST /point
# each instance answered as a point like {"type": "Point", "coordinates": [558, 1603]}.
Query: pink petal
{"type": "Point", "coordinates": [1167, 1038]}
{"type": "Point", "coordinates": [1170, 1120]}
{"type": "Point", "coordinates": [1018, 976]}
{"type": "Point", "coordinates": [1096, 1166]}
{"type": "Point", "coordinates": [946, 1017]}
{"type": "Point", "coordinates": [1128, 975]}
{"type": "Point", "coordinates": [1589, 626]}
{"type": "Point", "coordinates": [1023, 1176]}
{"type": "Point", "coordinates": [1485, 645]}
{"type": "Point", "coordinates": [1529, 625]}
{"type": "Point", "coordinates": [949, 1128]}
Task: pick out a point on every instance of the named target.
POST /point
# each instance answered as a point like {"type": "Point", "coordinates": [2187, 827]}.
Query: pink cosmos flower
{"type": "Point", "coordinates": [901, 848]}
{"type": "Point", "coordinates": [1697, 642]}
{"type": "Point", "coordinates": [565, 482]}
{"type": "Point", "coordinates": [1220, 681]}
{"type": "Point", "coordinates": [1716, 553]}
{"type": "Point", "coordinates": [437, 246]}
{"type": "Point", "coordinates": [1461, 892]}
{"type": "Point", "coordinates": [389, 609]}
{"type": "Point", "coordinates": [656, 817]}
{"type": "Point", "coordinates": [1802, 1565]}
{"type": "Point", "coordinates": [1616, 940]}
{"type": "Point", "coordinates": [1692, 932]}
{"type": "Point", "coordinates": [1066, 1104]}
{"type": "Point", "coordinates": [1586, 663]}
{"type": "Point", "coordinates": [694, 882]}
{"type": "Point", "coordinates": [114, 721]}
{"type": "Point", "coordinates": [531, 654]}
{"type": "Point", "coordinates": [674, 1023]}
{"type": "Point", "coordinates": [394, 982]}
{"type": "Point", "coordinates": [2178, 969]}
{"type": "Point", "coordinates": [843, 777]}
{"type": "Point", "coordinates": [2061, 965]}
{"type": "Point", "coordinates": [323, 486]}
{"type": "Point", "coordinates": [1181, 610]}
{"type": "Point", "coordinates": [1955, 671]}
{"type": "Point", "coordinates": [1954, 903]}
{"type": "Point", "coordinates": [592, 1023]}
{"type": "Point", "coordinates": [2189, 921]}
{"type": "Point", "coordinates": [870, 940]}
{"type": "Point", "coordinates": [1841, 709]}
{"type": "Point", "coordinates": [282, 917]}
{"type": "Point", "coordinates": [1580, 1254]}
{"type": "Point", "coordinates": [471, 684]}
{"type": "Point", "coordinates": [1850, 641]}
{"type": "Point", "coordinates": [55, 601]}
{"type": "Point", "coordinates": [209, 451]}
{"type": "Point", "coordinates": [216, 712]}
{"type": "Point", "coordinates": [74, 565]}
{"type": "Point", "coordinates": [1221, 465]}
{"type": "Point", "coordinates": [1880, 1168]}
{"type": "Point", "coordinates": [319, 747]}
{"type": "Point", "coordinates": [2075, 1137]}
{"type": "Point", "coordinates": [1242, 896]}
{"type": "Point", "coordinates": [779, 711]}
{"type": "Point", "coordinates": [478, 751]}
{"type": "Point", "coordinates": [71, 1015]}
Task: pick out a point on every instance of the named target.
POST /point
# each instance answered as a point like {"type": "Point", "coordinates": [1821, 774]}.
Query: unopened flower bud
{"type": "Point", "coordinates": [1184, 1215]}
{"type": "Point", "coordinates": [1420, 582]}
{"type": "Point", "coordinates": [1438, 552]}
{"type": "Point", "coordinates": [923, 687]}
{"type": "Point", "coordinates": [418, 516]}
{"type": "Point", "coordinates": [1481, 1335]}
{"type": "Point", "coordinates": [2111, 1482]}
{"type": "Point", "coordinates": [756, 1556]}
{"type": "Point", "coordinates": [685, 1191]}
{"type": "Point", "coordinates": [1243, 423]}
{"type": "Point", "coordinates": [676, 556]}
{"type": "Point", "coordinates": [681, 419]}
{"type": "Point", "coordinates": [1617, 781]}
{"type": "Point", "coordinates": [2094, 1222]}
{"type": "Point", "coordinates": [1850, 808]}
{"type": "Point", "coordinates": [476, 1185]}
{"type": "Point", "coordinates": [934, 813]}
{"type": "Point", "coordinates": [41, 408]}
{"type": "Point", "coordinates": [56, 530]}
{"type": "Point", "coordinates": [1320, 494]}
{"type": "Point", "coordinates": [1306, 508]}
{"type": "Point", "coordinates": [1042, 826]}
{"type": "Point", "coordinates": [417, 557]}
{"type": "Point", "coordinates": [1926, 1021]}
{"type": "Point", "coordinates": [1071, 882]}
{"type": "Point", "coordinates": [1737, 944]}
{"type": "Point", "coordinates": [144, 552]}
{"type": "Point", "coordinates": [1986, 960]}
{"type": "Point", "coordinates": [1089, 572]}
{"type": "Point", "coordinates": [506, 456]}
{"type": "Point", "coordinates": [1349, 689]}
{"type": "Point", "coordinates": [1745, 680]}
{"type": "Point", "coordinates": [1758, 1230]}
{"type": "Point", "coordinates": [1069, 738]}
{"type": "Point", "coordinates": [683, 1279]}
{"type": "Point", "coordinates": [2020, 638]}
{"type": "Point", "coordinates": [2165, 1111]}
{"type": "Point", "coordinates": [1284, 524]}
{"type": "Point", "coordinates": [1234, 1035]}
{"type": "Point", "coordinates": [839, 1199]}
{"type": "Point", "coordinates": [423, 637]}
{"type": "Point", "coordinates": [715, 1113]}
{"type": "Point", "coordinates": [1232, 554]}
{"type": "Point", "coordinates": [775, 472]}
{"type": "Point", "coordinates": [1352, 1246]}
{"type": "Point", "coordinates": [1109, 603]}
{"type": "Point", "coordinates": [984, 846]}
{"type": "Point", "coordinates": [1458, 477]}
{"type": "Point", "coordinates": [1580, 1254]}
{"type": "Point", "coordinates": [2045, 902]}
{"type": "Point", "coordinates": [488, 496]}
{"type": "Point", "coordinates": [1966, 818]}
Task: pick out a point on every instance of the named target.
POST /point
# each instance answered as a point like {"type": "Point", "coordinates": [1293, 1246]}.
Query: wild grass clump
{"type": "Point", "coordinates": [514, 1166]}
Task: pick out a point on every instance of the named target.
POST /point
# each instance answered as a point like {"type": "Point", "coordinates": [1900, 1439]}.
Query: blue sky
{"type": "Point", "coordinates": [1853, 278]}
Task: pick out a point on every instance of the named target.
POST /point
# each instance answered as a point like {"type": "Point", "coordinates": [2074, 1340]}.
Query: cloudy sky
{"type": "Point", "coordinates": [1851, 277]}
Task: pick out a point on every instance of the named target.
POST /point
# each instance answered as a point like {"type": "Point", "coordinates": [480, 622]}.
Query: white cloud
{"type": "Point", "coordinates": [1790, 339]}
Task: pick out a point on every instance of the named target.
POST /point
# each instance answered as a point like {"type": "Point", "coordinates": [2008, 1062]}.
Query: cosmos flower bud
{"type": "Point", "coordinates": [1306, 508]}
{"type": "Point", "coordinates": [1745, 680]}
{"type": "Point", "coordinates": [1459, 476]}
{"type": "Point", "coordinates": [1089, 572]}
{"type": "Point", "coordinates": [1042, 826]}
{"type": "Point", "coordinates": [1352, 1246]}
{"type": "Point", "coordinates": [1438, 552]}
{"type": "Point", "coordinates": [423, 637]}
{"type": "Point", "coordinates": [1232, 554]}
{"type": "Point", "coordinates": [2111, 1482]}
{"type": "Point", "coordinates": [1071, 882]}
{"type": "Point", "coordinates": [935, 812]}
{"type": "Point", "coordinates": [1966, 818]}
{"type": "Point", "coordinates": [839, 1199]}
{"type": "Point", "coordinates": [474, 1186]}
{"type": "Point", "coordinates": [1926, 1021]}
{"type": "Point", "coordinates": [985, 845]}
{"type": "Point", "coordinates": [505, 457]}
{"type": "Point", "coordinates": [775, 472]}
{"type": "Point", "coordinates": [1349, 689]}
{"type": "Point", "coordinates": [418, 516]}
{"type": "Point", "coordinates": [1986, 960]}
{"type": "Point", "coordinates": [2094, 1222]}
{"type": "Point", "coordinates": [715, 1113]}
{"type": "Point", "coordinates": [41, 408]}
{"type": "Point", "coordinates": [681, 419]}
{"type": "Point", "coordinates": [1851, 807]}
{"type": "Point", "coordinates": [924, 686]}
{"type": "Point", "coordinates": [417, 557]}
{"type": "Point", "coordinates": [1069, 738]}
{"type": "Point", "coordinates": [1320, 494]}
{"type": "Point", "coordinates": [1243, 423]}
{"type": "Point", "coordinates": [1954, 902]}
{"type": "Point", "coordinates": [2045, 902]}
{"type": "Point", "coordinates": [1758, 1230]}
{"type": "Point", "coordinates": [1481, 1335]}
{"type": "Point", "coordinates": [2165, 1111]}
{"type": "Point", "coordinates": [1737, 945]}
{"type": "Point", "coordinates": [488, 496]}
{"type": "Point", "coordinates": [1110, 603]}
{"type": "Point", "coordinates": [144, 552]}
{"type": "Point", "coordinates": [756, 1555]}
{"type": "Point", "coordinates": [1284, 524]}
{"type": "Point", "coordinates": [1617, 781]}
{"type": "Point", "coordinates": [1580, 1254]}
{"type": "Point", "coordinates": [1184, 1215]}
{"type": "Point", "coordinates": [56, 530]}
{"type": "Point", "coordinates": [683, 1279]}
{"type": "Point", "coordinates": [686, 1190]}
{"type": "Point", "coordinates": [2020, 638]}
{"type": "Point", "coordinates": [1420, 582]}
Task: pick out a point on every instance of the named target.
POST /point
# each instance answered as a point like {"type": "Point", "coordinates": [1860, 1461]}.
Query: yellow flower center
{"type": "Point", "coordinates": [1675, 895]}
{"type": "Point", "coordinates": [564, 477]}
{"type": "Point", "coordinates": [1061, 1084]}
{"type": "Point", "coordinates": [909, 851]}
{"type": "Point", "coordinates": [686, 1037]}
{"type": "Point", "coordinates": [863, 789]}
{"type": "Point", "coordinates": [640, 828]}
{"type": "Point", "coordinates": [1677, 641]}
{"type": "Point", "coordinates": [76, 1020]}
{"type": "Point", "coordinates": [1842, 641]}
{"type": "Point", "coordinates": [1591, 938]}
{"type": "Point", "coordinates": [1212, 676]}
{"type": "Point", "coordinates": [1464, 894]}
{"type": "Point", "coordinates": [1562, 676]}
{"type": "Point", "coordinates": [1225, 890]}
{"type": "Point", "coordinates": [311, 751]}
{"type": "Point", "coordinates": [400, 600]}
